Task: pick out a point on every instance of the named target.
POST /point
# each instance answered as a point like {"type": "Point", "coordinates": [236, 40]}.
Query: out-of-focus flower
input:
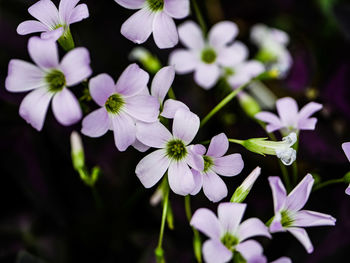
{"type": "Point", "coordinates": [77, 151]}
{"type": "Point", "coordinates": [290, 118]}
{"type": "Point", "coordinates": [149, 61]}
{"type": "Point", "coordinates": [227, 235]}
{"type": "Point", "coordinates": [288, 214]}
{"type": "Point", "coordinates": [243, 190]}
{"type": "Point", "coordinates": [282, 260]}
{"type": "Point", "coordinates": [122, 104]}
{"type": "Point", "coordinates": [216, 163]}
{"type": "Point", "coordinates": [154, 16]}
{"type": "Point", "coordinates": [346, 149]}
{"type": "Point", "coordinates": [48, 80]}
{"type": "Point", "coordinates": [173, 153]}
{"type": "Point", "coordinates": [272, 44]}
{"type": "Point", "coordinates": [206, 57]}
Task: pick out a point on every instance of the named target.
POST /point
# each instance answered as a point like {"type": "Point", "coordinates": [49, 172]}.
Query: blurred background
{"type": "Point", "coordinates": [49, 215]}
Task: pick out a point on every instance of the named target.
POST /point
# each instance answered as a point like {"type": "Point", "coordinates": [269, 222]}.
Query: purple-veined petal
{"type": "Point", "coordinates": [206, 222]}
{"type": "Point", "coordinates": [52, 35]}
{"type": "Point", "coordinates": [287, 109]}
{"type": "Point", "coordinates": [142, 107]}
{"type": "Point", "coordinates": [43, 52]}
{"type": "Point", "coordinates": [230, 215]}
{"type": "Point", "coordinates": [161, 82]}
{"type": "Point", "coordinates": [46, 12]}
{"type": "Point", "coordinates": [232, 55]}
{"type": "Point", "coordinates": [164, 31]}
{"type": "Point", "coordinates": [177, 8]}
{"type": "Point", "coordinates": [31, 26]}
{"type": "Point", "coordinates": [65, 9]}
{"type": "Point", "coordinates": [282, 260]}
{"type": "Point", "coordinates": [274, 123]}
{"type": "Point", "coordinates": [34, 107]}
{"type": "Point", "coordinates": [222, 33]}
{"type": "Point", "coordinates": [181, 180]}
{"type": "Point", "coordinates": [23, 76]}
{"type": "Point", "coordinates": [229, 165]}
{"type": "Point", "coordinates": [171, 107]}
{"type": "Point", "coordinates": [96, 123]}
{"type": "Point", "coordinates": [131, 4]}
{"type": "Point", "coordinates": [198, 181]}
{"type": "Point", "coordinates": [139, 26]}
{"type": "Point", "coordinates": [214, 187]}
{"type": "Point", "coordinates": [185, 125]}
{"type": "Point", "coordinates": [66, 107]}
{"type": "Point", "coordinates": [218, 145]}
{"type": "Point", "coordinates": [140, 146]}
{"type": "Point", "coordinates": [132, 81]}
{"type": "Point", "coordinates": [276, 225]}
{"type": "Point", "coordinates": [76, 66]}
{"type": "Point", "coordinates": [194, 160]}
{"type": "Point", "coordinates": [152, 134]}
{"type": "Point", "coordinates": [79, 13]}
{"type": "Point", "coordinates": [306, 218]}
{"type": "Point", "coordinates": [152, 168]}
{"type": "Point", "coordinates": [346, 149]}
{"type": "Point", "coordinates": [183, 60]}
{"type": "Point", "coordinates": [279, 193]}
{"type": "Point", "coordinates": [303, 238]}
{"type": "Point", "coordinates": [252, 227]}
{"type": "Point", "coordinates": [101, 88]}
{"type": "Point", "coordinates": [206, 75]}
{"type": "Point", "coordinates": [191, 36]}
{"type": "Point", "coordinates": [249, 249]}
{"type": "Point", "coordinates": [215, 252]}
{"type": "Point", "coordinates": [124, 130]}
{"type": "Point", "coordinates": [300, 194]}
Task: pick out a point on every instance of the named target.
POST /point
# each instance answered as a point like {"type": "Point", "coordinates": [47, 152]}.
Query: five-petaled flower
{"type": "Point", "coordinates": [49, 80]}
{"type": "Point", "coordinates": [122, 104]}
{"type": "Point", "coordinates": [227, 235]}
{"type": "Point", "coordinates": [288, 214]}
{"type": "Point", "coordinates": [346, 148]}
{"type": "Point", "coordinates": [154, 16]}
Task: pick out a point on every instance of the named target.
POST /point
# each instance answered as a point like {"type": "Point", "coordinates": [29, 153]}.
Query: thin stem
{"type": "Point", "coordinates": [188, 207]}
{"type": "Point", "coordinates": [171, 94]}
{"type": "Point", "coordinates": [329, 182]}
{"type": "Point", "coordinates": [285, 176]}
{"type": "Point", "coordinates": [199, 17]}
{"type": "Point", "coordinates": [295, 164]}
{"type": "Point", "coordinates": [236, 141]}
{"type": "Point", "coordinates": [218, 107]}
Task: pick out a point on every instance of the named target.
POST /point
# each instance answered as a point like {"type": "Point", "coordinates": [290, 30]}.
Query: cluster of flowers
{"type": "Point", "coordinates": [138, 116]}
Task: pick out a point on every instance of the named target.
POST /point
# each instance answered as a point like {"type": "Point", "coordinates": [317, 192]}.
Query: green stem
{"type": "Point", "coordinates": [285, 176]}
{"type": "Point", "coordinates": [199, 17]}
{"type": "Point", "coordinates": [236, 141]}
{"type": "Point", "coordinates": [226, 100]}
{"type": "Point", "coordinates": [295, 164]}
{"type": "Point", "coordinates": [171, 94]}
{"type": "Point", "coordinates": [329, 182]}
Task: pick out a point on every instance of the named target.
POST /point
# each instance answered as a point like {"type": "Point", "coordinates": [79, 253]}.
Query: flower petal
{"type": "Point", "coordinates": [140, 146]}
{"type": "Point", "coordinates": [171, 107]}
{"type": "Point", "coordinates": [279, 193]}
{"type": "Point", "coordinates": [215, 252]}
{"type": "Point", "coordinates": [76, 66]}
{"type": "Point", "coordinates": [124, 130]}
{"type": "Point", "coordinates": [131, 4]}
{"type": "Point", "coordinates": [229, 165]}
{"type": "Point", "coordinates": [152, 168]}
{"type": "Point", "coordinates": [177, 8]}
{"type": "Point", "coordinates": [346, 149]}
{"type": "Point", "coordinates": [152, 134]}
{"type": "Point", "coordinates": [300, 194]}
{"type": "Point", "coordinates": [222, 33]}
{"type": "Point", "coordinates": [101, 88]}
{"type": "Point", "coordinates": [142, 107]}
{"type": "Point", "coordinates": [307, 124]}
{"type": "Point", "coordinates": [43, 52]}
{"type": "Point", "coordinates": [198, 181]}
{"type": "Point", "coordinates": [79, 13]}
{"type": "Point", "coordinates": [194, 160]}
{"type": "Point", "coordinates": [206, 75]}
{"type": "Point", "coordinates": [23, 76]}
{"type": "Point", "coordinates": [65, 9]}
{"type": "Point", "coordinates": [184, 61]}
{"type": "Point", "coordinates": [162, 81]}
{"type": "Point", "coordinates": [287, 109]}
{"type": "Point", "coordinates": [31, 26]}
{"type": "Point", "coordinates": [66, 107]}
{"type": "Point", "coordinates": [347, 190]}
{"type": "Point", "coordinates": [181, 180]}
{"type": "Point", "coordinates": [230, 215]}
{"type": "Point", "coordinates": [52, 35]}
{"type": "Point", "coordinates": [232, 55]}
{"type": "Point", "coordinates": [132, 81]}
{"type": "Point", "coordinates": [214, 187]}
{"type": "Point", "coordinates": [191, 36]}
{"type": "Point", "coordinates": [139, 26]}
{"type": "Point", "coordinates": [274, 123]}
{"type": "Point", "coordinates": [305, 114]}
{"type": "Point", "coordinates": [218, 145]}
{"type": "Point", "coordinates": [185, 125]}
{"type": "Point", "coordinates": [164, 31]}
{"type": "Point", "coordinates": [96, 123]}
{"type": "Point", "coordinates": [34, 107]}
{"type": "Point", "coordinates": [206, 222]}
{"type": "Point", "coordinates": [198, 148]}
{"type": "Point", "coordinates": [303, 238]}
{"type": "Point", "coordinates": [249, 250]}
{"type": "Point", "coordinates": [46, 12]}
{"type": "Point", "coordinates": [282, 260]}
{"type": "Point", "coordinates": [252, 227]}
{"type": "Point", "coordinates": [306, 218]}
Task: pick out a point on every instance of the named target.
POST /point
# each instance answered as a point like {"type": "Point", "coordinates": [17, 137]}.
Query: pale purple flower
{"type": "Point", "coordinates": [207, 57]}
{"type": "Point", "coordinates": [282, 260]}
{"type": "Point", "coordinates": [215, 164]}
{"type": "Point", "coordinates": [122, 104]}
{"type": "Point", "coordinates": [52, 22]}
{"type": "Point", "coordinates": [290, 118]}
{"type": "Point", "coordinates": [48, 79]}
{"type": "Point", "coordinates": [227, 235]}
{"type": "Point", "coordinates": [154, 16]}
{"type": "Point", "coordinates": [346, 149]}
{"type": "Point", "coordinates": [288, 214]}
{"type": "Point", "coordinates": [173, 155]}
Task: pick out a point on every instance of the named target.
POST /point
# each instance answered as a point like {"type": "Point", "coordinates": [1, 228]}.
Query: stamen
{"type": "Point", "coordinates": [114, 103]}
{"type": "Point", "coordinates": [56, 80]}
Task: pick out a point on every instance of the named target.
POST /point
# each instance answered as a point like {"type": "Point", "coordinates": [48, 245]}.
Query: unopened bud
{"type": "Point", "coordinates": [150, 62]}
{"type": "Point", "coordinates": [243, 190]}
{"type": "Point", "coordinates": [249, 104]}
{"type": "Point", "coordinates": [77, 151]}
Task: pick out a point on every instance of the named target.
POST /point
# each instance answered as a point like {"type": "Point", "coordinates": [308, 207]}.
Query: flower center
{"type": "Point", "coordinates": [176, 149]}
{"type": "Point", "coordinates": [229, 71]}
{"type": "Point", "coordinates": [155, 5]}
{"type": "Point", "coordinates": [287, 219]}
{"type": "Point", "coordinates": [114, 103]}
{"type": "Point", "coordinates": [56, 80]}
{"type": "Point", "coordinates": [230, 241]}
{"type": "Point", "coordinates": [208, 162]}
{"type": "Point", "coordinates": [208, 55]}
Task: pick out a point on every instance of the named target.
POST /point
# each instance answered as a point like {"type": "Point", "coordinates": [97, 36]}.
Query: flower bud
{"type": "Point", "coordinates": [249, 104]}
{"type": "Point", "coordinates": [243, 190]}
{"type": "Point", "coordinates": [77, 151]}
{"type": "Point", "coordinates": [150, 62]}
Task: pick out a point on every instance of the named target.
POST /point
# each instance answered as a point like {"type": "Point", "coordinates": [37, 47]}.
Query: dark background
{"type": "Point", "coordinates": [47, 210]}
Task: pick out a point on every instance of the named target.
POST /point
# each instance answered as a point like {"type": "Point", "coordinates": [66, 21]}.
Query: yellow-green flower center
{"type": "Point", "coordinates": [208, 55]}
{"type": "Point", "coordinates": [287, 219]}
{"type": "Point", "coordinates": [56, 80]}
{"type": "Point", "coordinates": [208, 163]}
{"type": "Point", "coordinates": [230, 241]}
{"type": "Point", "coordinates": [176, 149]}
{"type": "Point", "coordinates": [114, 103]}
{"type": "Point", "coordinates": [155, 5]}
